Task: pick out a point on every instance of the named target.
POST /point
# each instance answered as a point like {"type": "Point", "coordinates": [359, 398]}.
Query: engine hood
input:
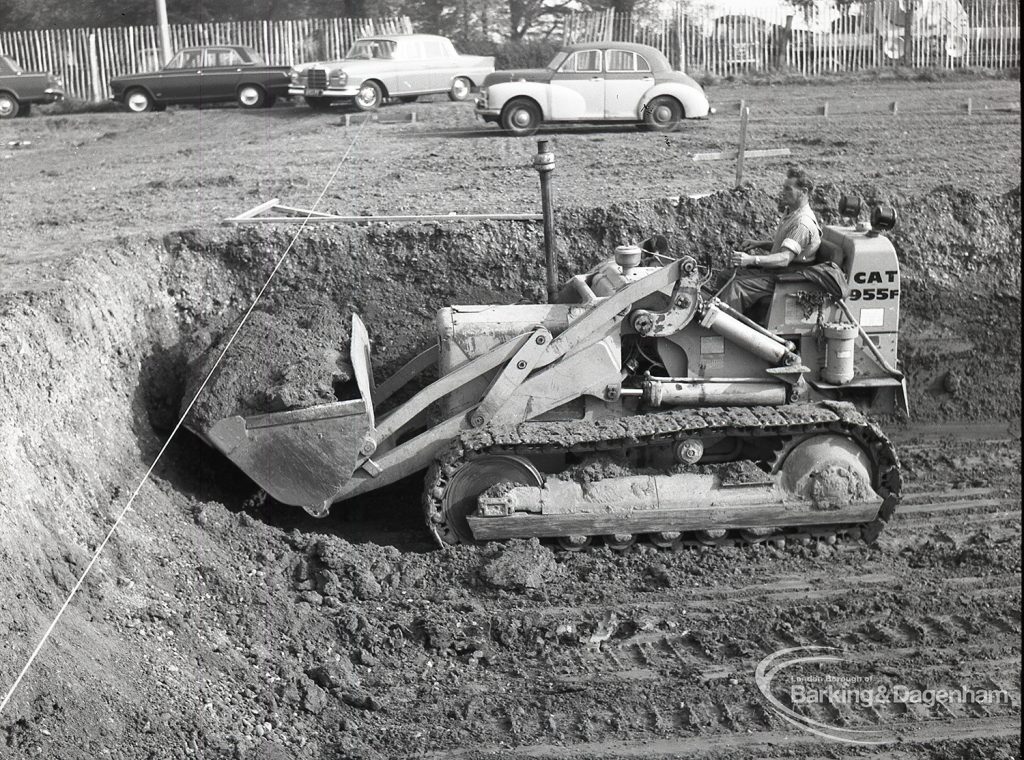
{"type": "Point", "coordinates": [518, 75]}
{"type": "Point", "coordinates": [356, 66]}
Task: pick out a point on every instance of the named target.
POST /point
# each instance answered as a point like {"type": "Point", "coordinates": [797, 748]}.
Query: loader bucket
{"type": "Point", "coordinates": [304, 457]}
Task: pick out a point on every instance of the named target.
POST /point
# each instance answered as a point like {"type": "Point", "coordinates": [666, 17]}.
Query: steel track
{"type": "Point", "coordinates": [781, 424]}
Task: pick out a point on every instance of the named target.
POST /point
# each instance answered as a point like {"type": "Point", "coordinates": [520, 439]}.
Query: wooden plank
{"type": "Point", "coordinates": [303, 211]}
{"type": "Point", "coordinates": [731, 154]}
{"type": "Point", "coordinates": [253, 211]}
{"type": "Point", "coordinates": [397, 218]}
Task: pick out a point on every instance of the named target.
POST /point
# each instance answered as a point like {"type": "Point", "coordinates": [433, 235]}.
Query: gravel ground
{"type": "Point", "coordinates": [214, 626]}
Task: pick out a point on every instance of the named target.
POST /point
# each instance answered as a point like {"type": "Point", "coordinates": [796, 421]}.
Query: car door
{"type": "Point", "coordinates": [627, 77]}
{"type": "Point", "coordinates": [222, 68]}
{"type": "Point", "coordinates": [411, 74]}
{"type": "Point", "coordinates": [577, 88]}
{"type": "Point", "coordinates": [178, 81]}
{"type": "Point", "coordinates": [443, 64]}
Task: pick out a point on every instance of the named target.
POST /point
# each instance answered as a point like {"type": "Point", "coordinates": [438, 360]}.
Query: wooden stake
{"type": "Point", "coordinates": [970, 108]}
{"type": "Point", "coordinates": [744, 116]}
{"type": "Point", "coordinates": [824, 110]}
{"type": "Point", "coordinates": [895, 106]}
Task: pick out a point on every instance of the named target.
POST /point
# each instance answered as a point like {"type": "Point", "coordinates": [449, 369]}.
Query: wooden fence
{"type": "Point", "coordinates": [87, 59]}
{"type": "Point", "coordinates": [870, 34]}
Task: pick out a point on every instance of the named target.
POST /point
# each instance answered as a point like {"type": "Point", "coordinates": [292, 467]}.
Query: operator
{"type": "Point", "coordinates": [794, 245]}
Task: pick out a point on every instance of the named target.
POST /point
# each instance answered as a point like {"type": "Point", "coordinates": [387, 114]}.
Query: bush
{"type": "Point", "coordinates": [533, 54]}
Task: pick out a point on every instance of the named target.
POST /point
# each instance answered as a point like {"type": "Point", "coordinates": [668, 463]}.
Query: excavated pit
{"type": "Point", "coordinates": [93, 376]}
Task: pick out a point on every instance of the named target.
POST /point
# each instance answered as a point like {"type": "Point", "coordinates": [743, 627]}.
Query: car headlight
{"type": "Point", "coordinates": [338, 78]}
{"type": "Point", "coordinates": [298, 77]}
{"type": "Point", "coordinates": [59, 81]}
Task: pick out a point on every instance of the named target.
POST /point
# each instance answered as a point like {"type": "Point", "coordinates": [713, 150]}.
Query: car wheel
{"type": "Point", "coordinates": [24, 109]}
{"type": "Point", "coordinates": [9, 106]}
{"type": "Point", "coordinates": [521, 117]}
{"type": "Point", "coordinates": [663, 114]}
{"type": "Point", "coordinates": [138, 101]}
{"type": "Point", "coordinates": [318, 104]}
{"type": "Point", "coordinates": [251, 96]}
{"type": "Point", "coordinates": [461, 89]}
{"type": "Point", "coordinates": [369, 97]}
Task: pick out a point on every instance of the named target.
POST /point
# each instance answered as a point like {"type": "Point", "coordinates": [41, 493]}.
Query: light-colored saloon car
{"type": "Point", "coordinates": [402, 66]}
{"type": "Point", "coordinates": [593, 82]}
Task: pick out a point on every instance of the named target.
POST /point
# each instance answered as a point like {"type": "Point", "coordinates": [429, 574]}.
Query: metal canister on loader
{"type": "Point", "coordinates": [839, 339]}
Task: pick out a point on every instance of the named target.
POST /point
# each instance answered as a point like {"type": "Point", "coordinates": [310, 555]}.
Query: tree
{"type": "Point", "coordinates": [526, 16]}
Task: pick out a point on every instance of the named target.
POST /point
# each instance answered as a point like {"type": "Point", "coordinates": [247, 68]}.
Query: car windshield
{"type": "Point", "coordinates": [558, 60]}
{"type": "Point", "coordinates": [11, 64]}
{"type": "Point", "coordinates": [371, 49]}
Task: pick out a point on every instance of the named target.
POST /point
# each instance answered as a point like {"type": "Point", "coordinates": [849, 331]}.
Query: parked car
{"type": "Point", "coordinates": [593, 82]}
{"type": "Point", "coordinates": [402, 66]}
{"type": "Point", "coordinates": [209, 74]}
{"type": "Point", "coordinates": [20, 89]}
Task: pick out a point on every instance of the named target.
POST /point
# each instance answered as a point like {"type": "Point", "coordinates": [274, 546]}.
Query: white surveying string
{"type": "Point", "coordinates": [181, 420]}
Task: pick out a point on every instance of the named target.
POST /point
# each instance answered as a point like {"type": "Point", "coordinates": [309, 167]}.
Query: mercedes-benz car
{"type": "Point", "coordinates": [401, 66]}
{"type": "Point", "coordinates": [593, 82]}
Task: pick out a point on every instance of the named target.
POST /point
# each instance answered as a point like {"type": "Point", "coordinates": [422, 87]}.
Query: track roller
{"type": "Point", "coordinates": [574, 543]}
{"type": "Point", "coordinates": [710, 537]}
{"type": "Point", "coordinates": [620, 542]}
{"type": "Point", "coordinates": [666, 539]}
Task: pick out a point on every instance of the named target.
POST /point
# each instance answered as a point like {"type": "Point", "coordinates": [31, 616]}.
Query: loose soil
{"type": "Point", "coordinates": [215, 625]}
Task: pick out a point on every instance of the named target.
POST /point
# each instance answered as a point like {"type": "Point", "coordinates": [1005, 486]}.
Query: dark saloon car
{"type": "Point", "coordinates": [209, 74]}
{"type": "Point", "coordinates": [20, 89]}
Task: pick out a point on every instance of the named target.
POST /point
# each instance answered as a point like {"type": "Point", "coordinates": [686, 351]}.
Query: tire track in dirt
{"type": "Point", "coordinates": [709, 743]}
{"type": "Point", "coordinates": [651, 684]}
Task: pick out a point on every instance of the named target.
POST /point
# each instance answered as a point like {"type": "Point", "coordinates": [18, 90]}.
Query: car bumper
{"type": "Point", "coordinates": [327, 92]}
{"type": "Point", "coordinates": [485, 111]}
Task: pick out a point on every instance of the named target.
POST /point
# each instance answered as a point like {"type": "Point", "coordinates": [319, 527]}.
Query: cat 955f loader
{"type": "Point", "coordinates": [635, 404]}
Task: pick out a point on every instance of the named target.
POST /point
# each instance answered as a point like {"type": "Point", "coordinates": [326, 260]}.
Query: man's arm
{"type": "Point", "coordinates": [779, 260]}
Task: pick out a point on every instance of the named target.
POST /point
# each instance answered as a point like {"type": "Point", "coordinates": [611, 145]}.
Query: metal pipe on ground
{"type": "Point", "coordinates": [544, 163]}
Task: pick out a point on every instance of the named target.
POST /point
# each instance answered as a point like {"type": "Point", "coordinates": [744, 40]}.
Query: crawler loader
{"type": "Point", "coordinates": [635, 404]}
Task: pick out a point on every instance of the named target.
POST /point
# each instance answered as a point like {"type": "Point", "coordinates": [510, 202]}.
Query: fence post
{"type": "Point", "coordinates": [94, 69]}
{"type": "Point", "coordinates": [743, 146]}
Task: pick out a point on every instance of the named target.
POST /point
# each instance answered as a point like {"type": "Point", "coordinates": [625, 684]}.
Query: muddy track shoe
{"type": "Point", "coordinates": [688, 477]}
